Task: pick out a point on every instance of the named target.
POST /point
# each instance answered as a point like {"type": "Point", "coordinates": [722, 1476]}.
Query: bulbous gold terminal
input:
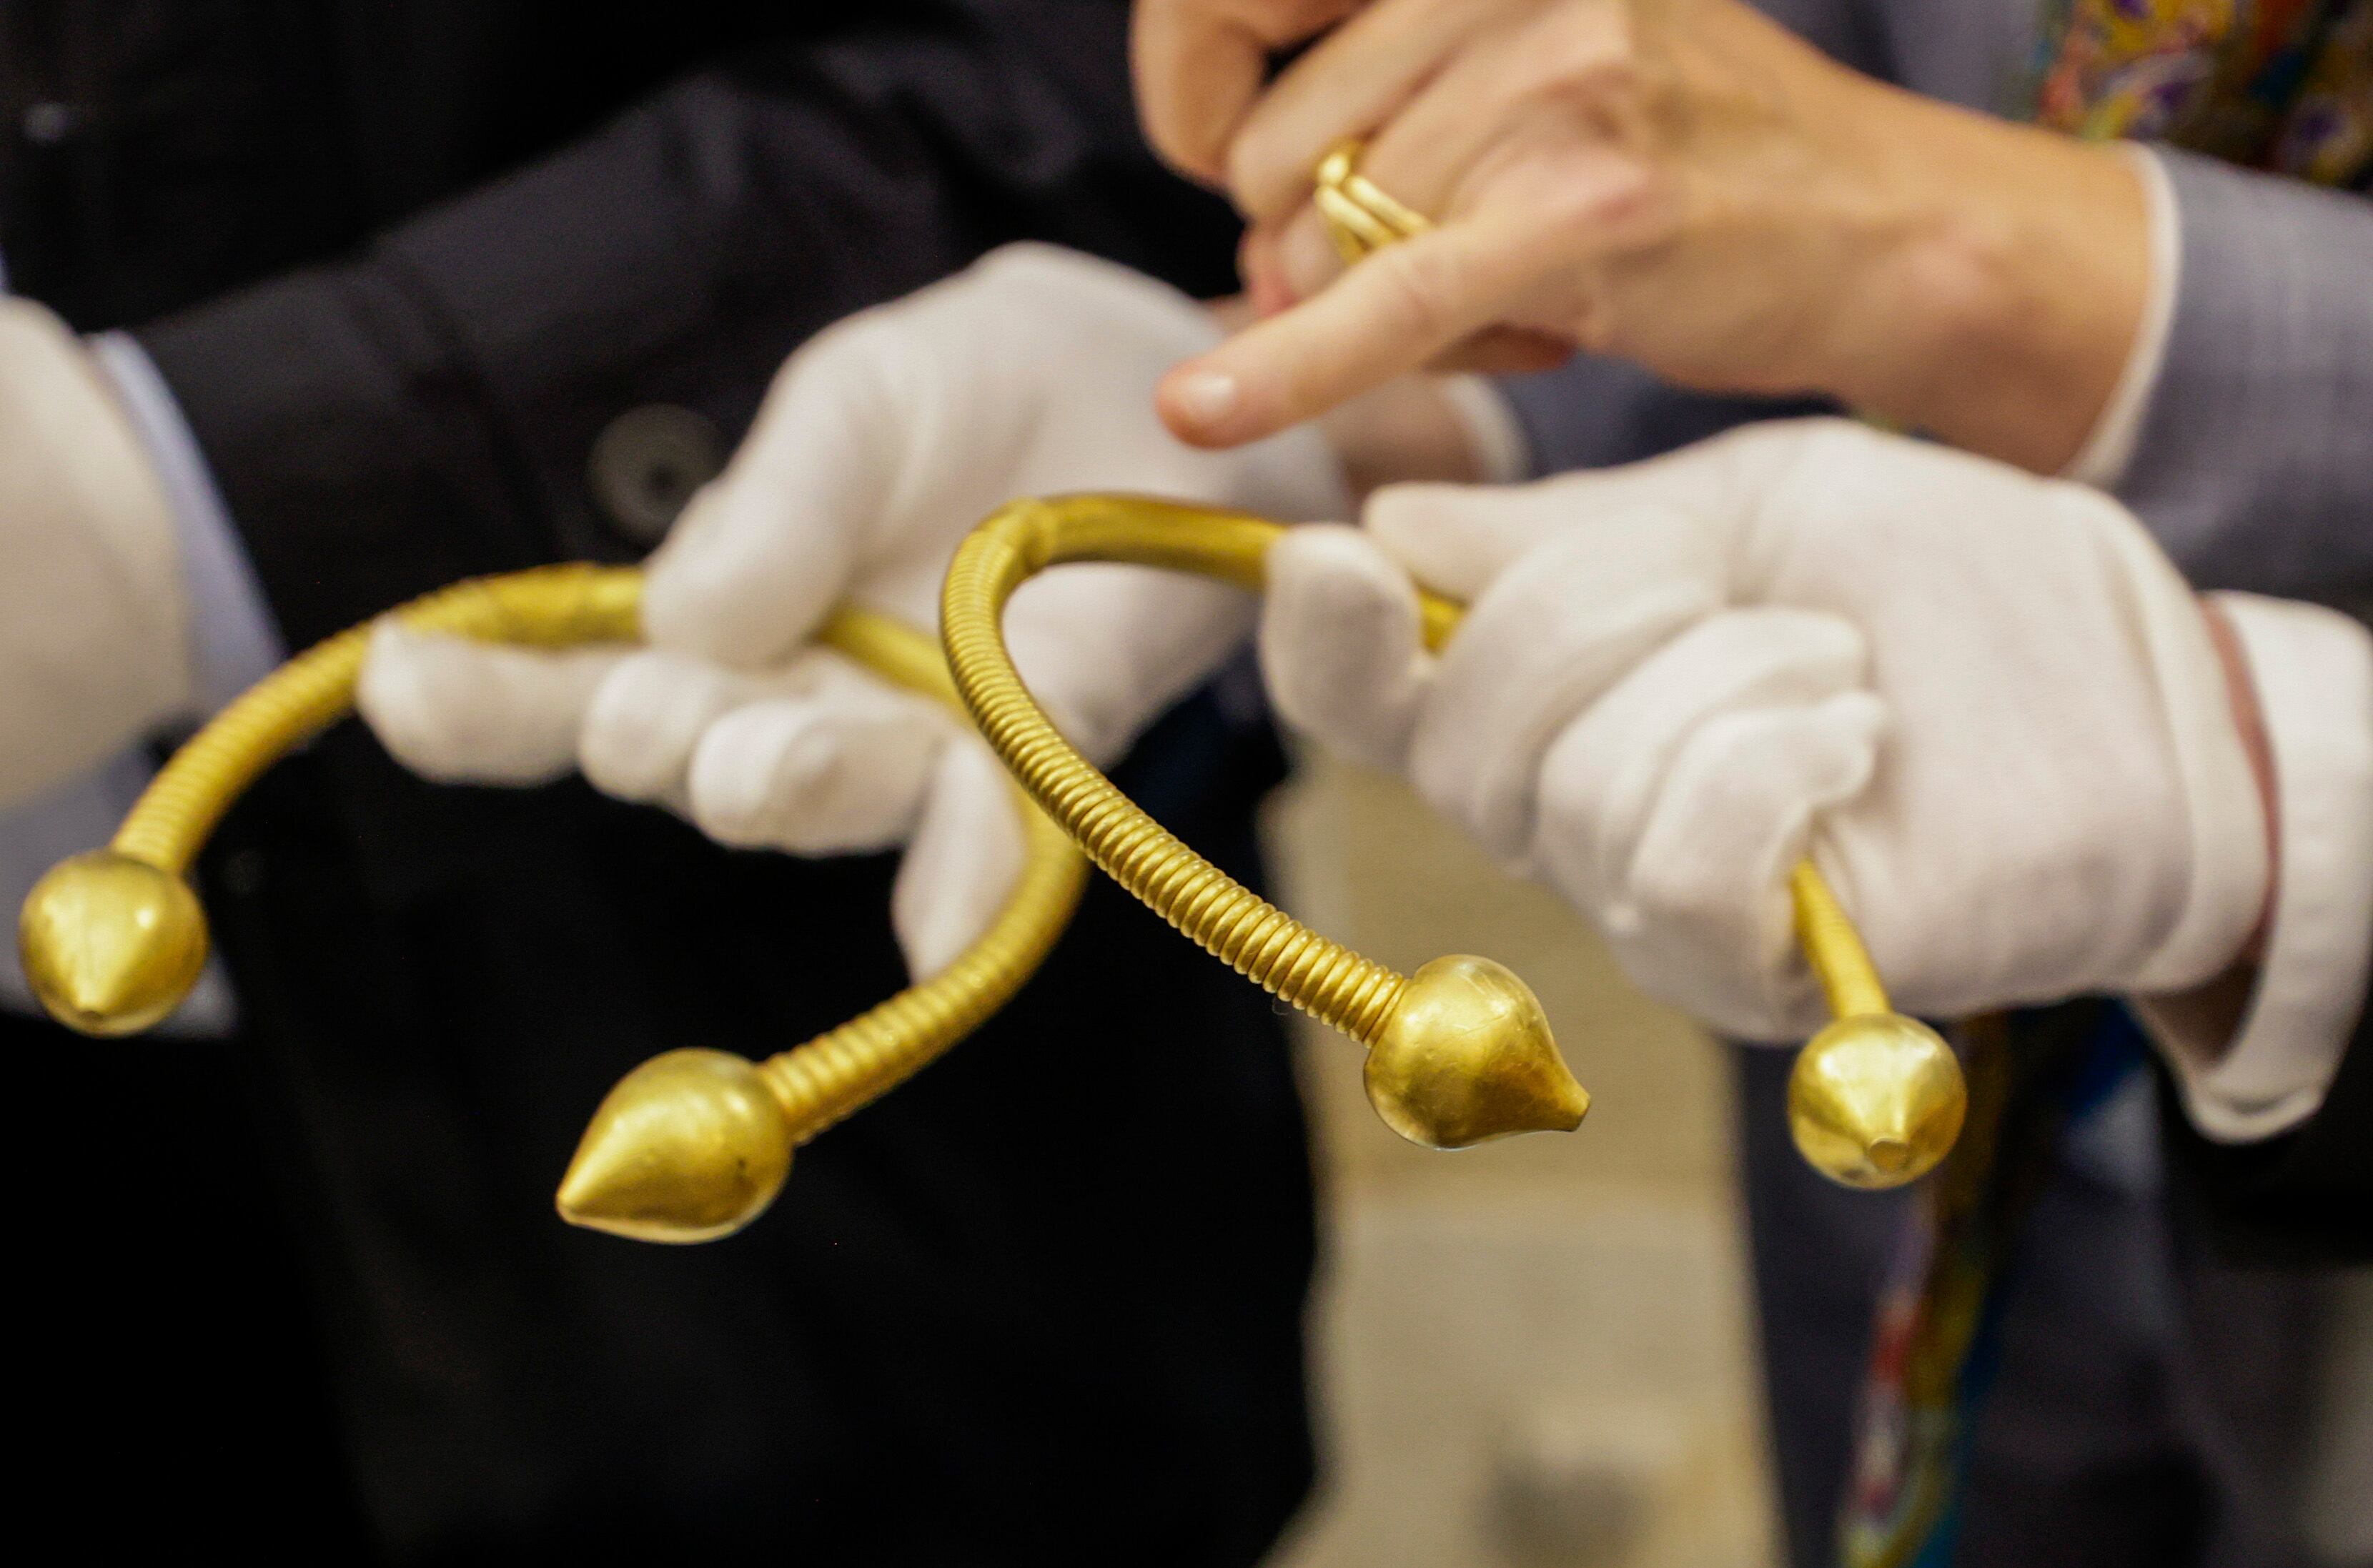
{"type": "Point", "coordinates": [111, 943]}
{"type": "Point", "coordinates": [1875, 1100]}
{"type": "Point", "coordinates": [690, 1146]}
{"type": "Point", "coordinates": [1480, 1020]}
{"type": "Point", "coordinates": [1467, 1055]}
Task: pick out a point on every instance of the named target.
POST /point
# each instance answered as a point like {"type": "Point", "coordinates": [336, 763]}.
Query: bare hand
{"type": "Point", "coordinates": [1680, 182]}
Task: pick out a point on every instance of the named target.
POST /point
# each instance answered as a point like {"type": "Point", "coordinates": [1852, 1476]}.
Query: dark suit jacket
{"type": "Point", "coordinates": [2303, 1197]}
{"type": "Point", "coordinates": [404, 263]}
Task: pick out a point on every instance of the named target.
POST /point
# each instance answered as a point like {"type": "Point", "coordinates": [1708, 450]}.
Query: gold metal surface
{"type": "Point", "coordinates": [688, 1146]}
{"type": "Point", "coordinates": [695, 1144]}
{"type": "Point", "coordinates": [1875, 1100]}
{"type": "Point", "coordinates": [113, 941]}
{"type": "Point", "coordinates": [1360, 217]}
{"type": "Point", "coordinates": [1460, 1052]}
{"type": "Point", "coordinates": [613, 1183]}
{"type": "Point", "coordinates": [111, 944]}
{"type": "Point", "coordinates": [692, 1145]}
{"type": "Point", "coordinates": [1833, 949]}
{"type": "Point", "coordinates": [1466, 1055]}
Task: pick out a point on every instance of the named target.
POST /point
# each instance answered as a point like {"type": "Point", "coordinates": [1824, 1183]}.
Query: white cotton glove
{"type": "Point", "coordinates": [94, 622]}
{"type": "Point", "coordinates": [881, 443]}
{"type": "Point", "coordinates": [1985, 702]}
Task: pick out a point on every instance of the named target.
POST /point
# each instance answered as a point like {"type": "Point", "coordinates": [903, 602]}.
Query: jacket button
{"type": "Point", "coordinates": [48, 125]}
{"type": "Point", "coordinates": [647, 463]}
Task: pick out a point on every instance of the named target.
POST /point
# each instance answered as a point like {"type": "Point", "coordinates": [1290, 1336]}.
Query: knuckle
{"type": "Point", "coordinates": [1584, 50]}
{"type": "Point", "coordinates": [1419, 289]}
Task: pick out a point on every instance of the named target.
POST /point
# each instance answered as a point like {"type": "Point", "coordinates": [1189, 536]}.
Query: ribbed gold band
{"type": "Point", "coordinates": [1361, 217]}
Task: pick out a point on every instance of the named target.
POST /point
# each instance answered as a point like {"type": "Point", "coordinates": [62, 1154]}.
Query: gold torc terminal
{"type": "Point", "coordinates": [1460, 1051]}
{"type": "Point", "coordinates": [691, 1145]}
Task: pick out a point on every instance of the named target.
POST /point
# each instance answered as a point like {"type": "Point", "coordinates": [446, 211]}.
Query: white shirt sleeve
{"type": "Point", "coordinates": [1503, 455]}
{"type": "Point", "coordinates": [234, 641]}
{"type": "Point", "coordinates": [234, 644]}
{"type": "Point", "coordinates": [2109, 449]}
{"type": "Point", "coordinates": [2312, 669]}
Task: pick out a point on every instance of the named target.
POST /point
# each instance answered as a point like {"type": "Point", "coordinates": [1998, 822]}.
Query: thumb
{"type": "Point", "coordinates": [766, 548]}
{"type": "Point", "coordinates": [1339, 643]}
{"type": "Point", "coordinates": [962, 864]}
{"type": "Point", "coordinates": [1705, 920]}
{"type": "Point", "coordinates": [1456, 538]}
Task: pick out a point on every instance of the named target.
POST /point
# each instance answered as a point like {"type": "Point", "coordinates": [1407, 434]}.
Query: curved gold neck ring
{"type": "Point", "coordinates": [695, 1143]}
{"type": "Point", "coordinates": [691, 1145]}
{"type": "Point", "coordinates": [1459, 1052]}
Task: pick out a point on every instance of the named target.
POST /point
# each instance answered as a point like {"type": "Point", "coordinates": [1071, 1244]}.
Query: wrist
{"type": "Point", "coordinates": [94, 618]}
{"type": "Point", "coordinates": [2004, 278]}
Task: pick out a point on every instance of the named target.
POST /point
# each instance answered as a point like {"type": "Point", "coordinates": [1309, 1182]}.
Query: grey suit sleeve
{"type": "Point", "coordinates": [2254, 465]}
{"type": "Point", "coordinates": [1594, 412]}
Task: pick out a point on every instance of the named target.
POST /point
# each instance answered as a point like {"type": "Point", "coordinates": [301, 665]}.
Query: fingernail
{"type": "Point", "coordinates": [1207, 398]}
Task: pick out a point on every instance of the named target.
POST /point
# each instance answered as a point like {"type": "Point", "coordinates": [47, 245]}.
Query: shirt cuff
{"type": "Point", "coordinates": [1494, 435]}
{"type": "Point", "coordinates": [233, 640]}
{"type": "Point", "coordinates": [233, 645]}
{"type": "Point", "coordinates": [2312, 671]}
{"type": "Point", "coordinates": [2108, 451]}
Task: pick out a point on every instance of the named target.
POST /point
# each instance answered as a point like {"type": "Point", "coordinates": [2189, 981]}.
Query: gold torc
{"type": "Point", "coordinates": [1459, 1052]}
{"type": "Point", "coordinates": [695, 1143]}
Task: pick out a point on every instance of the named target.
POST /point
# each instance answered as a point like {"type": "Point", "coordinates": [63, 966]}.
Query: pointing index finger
{"type": "Point", "coordinates": [1388, 315]}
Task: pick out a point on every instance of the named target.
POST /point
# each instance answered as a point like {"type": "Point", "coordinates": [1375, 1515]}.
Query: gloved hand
{"type": "Point", "coordinates": [881, 443]}
{"type": "Point", "coordinates": [1986, 702]}
{"type": "Point", "coordinates": [94, 623]}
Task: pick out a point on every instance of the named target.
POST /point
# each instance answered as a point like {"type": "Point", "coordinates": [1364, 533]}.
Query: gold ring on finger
{"type": "Point", "coordinates": [1361, 217]}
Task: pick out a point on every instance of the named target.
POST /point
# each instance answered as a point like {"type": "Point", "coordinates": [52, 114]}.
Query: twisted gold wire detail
{"type": "Point", "coordinates": [549, 607]}
{"type": "Point", "coordinates": [1875, 1099]}
{"type": "Point", "coordinates": [1259, 940]}
{"type": "Point", "coordinates": [694, 1143]}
